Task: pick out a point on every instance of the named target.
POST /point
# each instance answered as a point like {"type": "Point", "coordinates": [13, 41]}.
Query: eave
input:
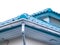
{"type": "Point", "coordinates": [33, 25]}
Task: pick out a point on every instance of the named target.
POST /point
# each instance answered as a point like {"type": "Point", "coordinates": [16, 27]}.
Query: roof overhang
{"type": "Point", "coordinates": [33, 30]}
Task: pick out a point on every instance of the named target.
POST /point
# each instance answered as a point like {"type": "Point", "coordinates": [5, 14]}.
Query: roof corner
{"type": "Point", "coordinates": [24, 15]}
{"type": "Point", "coordinates": [49, 10]}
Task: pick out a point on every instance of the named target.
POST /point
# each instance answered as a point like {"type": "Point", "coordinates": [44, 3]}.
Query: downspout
{"type": "Point", "coordinates": [23, 33]}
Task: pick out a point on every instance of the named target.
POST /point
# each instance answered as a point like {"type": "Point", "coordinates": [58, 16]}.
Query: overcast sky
{"type": "Point", "coordinates": [13, 8]}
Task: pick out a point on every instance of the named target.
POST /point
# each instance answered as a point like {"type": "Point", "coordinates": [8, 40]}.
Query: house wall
{"type": "Point", "coordinates": [47, 19]}
{"type": "Point", "coordinates": [18, 41]}
{"type": "Point", "coordinates": [55, 22]}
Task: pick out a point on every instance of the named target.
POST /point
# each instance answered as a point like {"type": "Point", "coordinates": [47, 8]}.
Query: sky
{"type": "Point", "coordinates": [12, 8]}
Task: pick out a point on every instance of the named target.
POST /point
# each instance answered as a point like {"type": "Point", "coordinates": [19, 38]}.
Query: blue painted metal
{"type": "Point", "coordinates": [40, 22]}
{"type": "Point", "coordinates": [46, 12]}
{"type": "Point", "coordinates": [33, 20]}
{"type": "Point", "coordinates": [49, 9]}
{"type": "Point", "coordinates": [24, 15]}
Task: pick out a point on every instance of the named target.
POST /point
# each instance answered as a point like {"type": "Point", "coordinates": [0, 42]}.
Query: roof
{"type": "Point", "coordinates": [12, 28]}
{"type": "Point", "coordinates": [47, 11]}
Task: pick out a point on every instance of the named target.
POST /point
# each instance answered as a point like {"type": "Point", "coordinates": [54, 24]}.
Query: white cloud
{"type": "Point", "coordinates": [13, 8]}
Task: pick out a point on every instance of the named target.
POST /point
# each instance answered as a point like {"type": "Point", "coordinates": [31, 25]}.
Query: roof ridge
{"type": "Point", "coordinates": [48, 10]}
{"type": "Point", "coordinates": [44, 11]}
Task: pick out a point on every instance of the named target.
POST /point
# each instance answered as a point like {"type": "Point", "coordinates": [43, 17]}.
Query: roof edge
{"type": "Point", "coordinates": [48, 10]}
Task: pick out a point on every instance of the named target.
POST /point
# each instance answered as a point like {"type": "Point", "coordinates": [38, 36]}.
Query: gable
{"type": "Point", "coordinates": [47, 12]}
{"type": "Point", "coordinates": [34, 28]}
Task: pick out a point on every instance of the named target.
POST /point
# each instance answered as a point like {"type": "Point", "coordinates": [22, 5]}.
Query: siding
{"type": "Point", "coordinates": [18, 41]}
